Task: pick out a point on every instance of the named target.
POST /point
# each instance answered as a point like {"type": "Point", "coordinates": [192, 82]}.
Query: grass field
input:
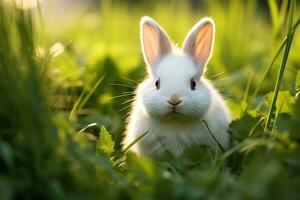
{"type": "Point", "coordinates": [66, 81]}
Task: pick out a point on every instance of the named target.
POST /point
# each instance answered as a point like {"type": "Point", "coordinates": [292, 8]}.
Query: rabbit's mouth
{"type": "Point", "coordinates": [174, 111]}
{"type": "Point", "coordinates": [175, 117]}
{"type": "Point", "coordinates": [174, 108]}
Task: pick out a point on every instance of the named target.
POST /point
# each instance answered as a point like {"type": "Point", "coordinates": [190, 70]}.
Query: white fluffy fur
{"type": "Point", "coordinates": [169, 131]}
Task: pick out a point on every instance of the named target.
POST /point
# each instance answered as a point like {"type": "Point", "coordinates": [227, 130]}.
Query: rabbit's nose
{"type": "Point", "coordinates": [174, 100]}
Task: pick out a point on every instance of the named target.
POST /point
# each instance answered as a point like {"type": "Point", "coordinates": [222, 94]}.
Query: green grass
{"type": "Point", "coordinates": [289, 39]}
{"type": "Point", "coordinates": [65, 87]}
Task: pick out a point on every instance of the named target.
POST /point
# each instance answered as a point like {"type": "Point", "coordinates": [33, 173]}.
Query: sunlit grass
{"type": "Point", "coordinates": [289, 39]}
{"type": "Point", "coordinates": [23, 4]}
{"type": "Point", "coordinates": [60, 81]}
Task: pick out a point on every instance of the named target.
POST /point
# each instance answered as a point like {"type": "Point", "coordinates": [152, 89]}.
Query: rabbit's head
{"type": "Point", "coordinates": [175, 86]}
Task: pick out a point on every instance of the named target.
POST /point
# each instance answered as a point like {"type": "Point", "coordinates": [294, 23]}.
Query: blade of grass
{"type": "Point", "coordinates": [246, 94]}
{"type": "Point", "coordinates": [290, 35]}
{"type": "Point", "coordinates": [76, 105]}
{"type": "Point", "coordinates": [83, 98]}
{"type": "Point", "coordinates": [255, 126]}
{"type": "Point", "coordinates": [212, 135]}
{"type": "Point", "coordinates": [86, 98]}
{"type": "Point", "coordinates": [282, 45]}
{"type": "Point", "coordinates": [135, 141]}
{"type": "Point", "coordinates": [88, 126]}
{"type": "Point", "coordinates": [243, 146]}
{"type": "Point", "coordinates": [274, 14]}
{"type": "Point", "coordinates": [278, 111]}
{"type": "Point", "coordinates": [282, 11]}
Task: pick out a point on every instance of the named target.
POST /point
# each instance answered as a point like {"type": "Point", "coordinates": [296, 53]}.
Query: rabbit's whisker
{"type": "Point", "coordinates": [215, 75]}
{"type": "Point", "coordinates": [125, 108]}
{"type": "Point", "coordinates": [126, 115]}
{"type": "Point", "coordinates": [130, 81]}
{"type": "Point", "coordinates": [122, 95]}
{"type": "Point", "coordinates": [128, 101]}
{"type": "Point", "coordinates": [124, 85]}
{"type": "Point", "coordinates": [129, 92]}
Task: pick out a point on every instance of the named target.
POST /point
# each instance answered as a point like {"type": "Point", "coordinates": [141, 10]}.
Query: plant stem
{"type": "Point", "coordinates": [289, 39]}
{"type": "Point", "coordinates": [270, 66]}
{"type": "Point", "coordinates": [215, 139]}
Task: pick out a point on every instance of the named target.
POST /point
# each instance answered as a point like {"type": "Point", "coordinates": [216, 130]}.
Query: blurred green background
{"type": "Point", "coordinates": [68, 67]}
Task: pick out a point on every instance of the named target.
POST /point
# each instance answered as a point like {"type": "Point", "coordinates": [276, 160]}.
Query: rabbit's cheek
{"type": "Point", "coordinates": [154, 106]}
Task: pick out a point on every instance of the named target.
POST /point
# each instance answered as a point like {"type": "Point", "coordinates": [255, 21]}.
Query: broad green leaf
{"type": "Point", "coordinates": [245, 126]}
{"type": "Point", "coordinates": [105, 143]}
{"type": "Point", "coordinates": [135, 141]}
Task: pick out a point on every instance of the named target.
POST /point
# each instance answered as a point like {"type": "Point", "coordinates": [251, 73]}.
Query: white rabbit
{"type": "Point", "coordinates": [172, 102]}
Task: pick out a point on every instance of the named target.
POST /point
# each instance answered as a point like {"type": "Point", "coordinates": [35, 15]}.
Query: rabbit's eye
{"type": "Point", "coordinates": [157, 84]}
{"type": "Point", "coordinates": [193, 84]}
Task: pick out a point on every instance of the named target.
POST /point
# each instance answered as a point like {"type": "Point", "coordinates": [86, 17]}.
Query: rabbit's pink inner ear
{"type": "Point", "coordinates": [204, 43]}
{"type": "Point", "coordinates": [165, 44]}
{"type": "Point", "coordinates": [199, 43]}
{"type": "Point", "coordinates": [156, 43]}
{"type": "Point", "coordinates": [150, 43]}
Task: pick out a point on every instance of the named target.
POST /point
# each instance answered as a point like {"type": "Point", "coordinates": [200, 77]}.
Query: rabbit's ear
{"type": "Point", "coordinates": [199, 41]}
{"type": "Point", "coordinates": [155, 42]}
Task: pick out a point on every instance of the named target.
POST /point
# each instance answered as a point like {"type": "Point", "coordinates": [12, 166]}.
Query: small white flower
{"type": "Point", "coordinates": [56, 49]}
